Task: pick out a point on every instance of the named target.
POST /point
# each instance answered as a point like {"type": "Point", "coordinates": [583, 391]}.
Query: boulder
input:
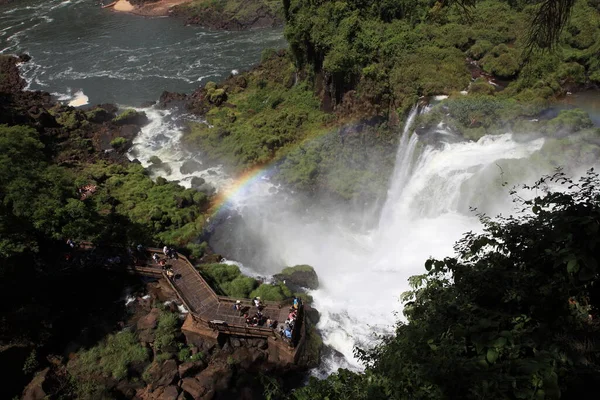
{"type": "Point", "coordinates": [191, 368]}
{"type": "Point", "coordinates": [162, 374]}
{"type": "Point", "coordinates": [197, 182]}
{"type": "Point", "coordinates": [299, 277]}
{"type": "Point", "coordinates": [149, 321]}
{"type": "Point", "coordinates": [35, 390]}
{"type": "Point", "coordinates": [131, 117]}
{"type": "Point", "coordinates": [167, 98]}
{"type": "Point", "coordinates": [169, 393]}
{"type": "Point", "coordinates": [193, 387]}
{"type": "Point", "coordinates": [189, 167]}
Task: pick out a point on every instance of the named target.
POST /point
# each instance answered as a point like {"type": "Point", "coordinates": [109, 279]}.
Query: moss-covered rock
{"type": "Point", "coordinates": [131, 117]}
{"type": "Point", "coordinates": [298, 277]}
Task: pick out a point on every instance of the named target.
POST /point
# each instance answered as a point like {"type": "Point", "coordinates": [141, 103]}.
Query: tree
{"type": "Point", "coordinates": [513, 315]}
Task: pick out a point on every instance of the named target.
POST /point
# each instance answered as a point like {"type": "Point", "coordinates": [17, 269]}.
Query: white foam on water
{"type": "Point", "coordinates": [79, 99]}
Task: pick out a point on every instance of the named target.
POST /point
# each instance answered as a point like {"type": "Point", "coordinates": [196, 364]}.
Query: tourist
{"type": "Point", "coordinates": [156, 258]}
{"type": "Point", "coordinates": [140, 248]}
{"type": "Point", "coordinates": [166, 251]}
{"type": "Point", "coordinates": [173, 253]}
{"type": "Point", "coordinates": [238, 305]}
{"type": "Point", "coordinates": [71, 243]}
{"type": "Point", "coordinates": [288, 334]}
{"type": "Point", "coordinates": [162, 263]}
{"type": "Point", "coordinates": [296, 303]}
{"type": "Point", "coordinates": [256, 301]}
{"type": "Point", "coordinates": [170, 274]}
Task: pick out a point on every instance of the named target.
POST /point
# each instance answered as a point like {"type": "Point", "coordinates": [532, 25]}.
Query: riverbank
{"type": "Point", "coordinates": [225, 15]}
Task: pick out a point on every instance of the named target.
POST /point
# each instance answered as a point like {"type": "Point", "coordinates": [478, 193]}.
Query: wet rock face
{"type": "Point", "coordinates": [298, 277]}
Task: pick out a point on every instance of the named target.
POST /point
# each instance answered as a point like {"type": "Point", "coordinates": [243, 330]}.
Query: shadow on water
{"type": "Point", "coordinates": [55, 308]}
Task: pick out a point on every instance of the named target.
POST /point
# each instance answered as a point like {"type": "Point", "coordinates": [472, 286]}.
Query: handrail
{"type": "Point", "coordinates": [222, 327]}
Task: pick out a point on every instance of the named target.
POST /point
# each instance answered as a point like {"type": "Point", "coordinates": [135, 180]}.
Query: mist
{"type": "Point", "coordinates": [365, 253]}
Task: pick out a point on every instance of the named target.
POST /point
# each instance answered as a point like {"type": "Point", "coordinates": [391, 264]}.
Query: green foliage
{"type": "Point", "coordinates": [31, 363]}
{"type": "Point", "coordinates": [111, 357]}
{"type": "Point", "coordinates": [118, 142]}
{"type": "Point", "coordinates": [163, 213]}
{"type": "Point", "coordinates": [569, 121]}
{"type": "Point", "coordinates": [165, 333]}
{"type": "Point", "coordinates": [220, 273]}
{"type": "Point", "coordinates": [270, 292]}
{"type": "Point", "coordinates": [511, 315]}
{"type": "Point", "coordinates": [196, 250]}
{"type": "Point", "coordinates": [36, 199]}
{"type": "Point", "coordinates": [197, 357]}
{"type": "Point", "coordinates": [131, 116]}
{"type": "Point", "coordinates": [240, 287]}
{"type": "Point", "coordinates": [228, 280]}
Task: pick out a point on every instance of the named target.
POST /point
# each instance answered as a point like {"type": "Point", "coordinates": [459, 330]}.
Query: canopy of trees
{"type": "Point", "coordinates": [513, 315]}
{"type": "Point", "coordinates": [391, 52]}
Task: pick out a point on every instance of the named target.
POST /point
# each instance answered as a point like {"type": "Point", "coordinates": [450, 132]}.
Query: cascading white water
{"type": "Point", "coordinates": [362, 274]}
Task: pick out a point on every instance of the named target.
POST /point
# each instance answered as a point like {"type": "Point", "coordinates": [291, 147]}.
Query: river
{"type": "Point", "coordinates": [76, 46]}
{"type": "Point", "coordinates": [127, 60]}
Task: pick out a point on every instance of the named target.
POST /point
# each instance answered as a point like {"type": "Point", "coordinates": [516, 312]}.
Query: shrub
{"type": "Point", "coordinates": [118, 142]}
{"type": "Point", "coordinates": [270, 292]}
{"type": "Point", "coordinates": [240, 287]}
{"type": "Point", "coordinates": [166, 330]}
{"type": "Point", "coordinates": [113, 356]}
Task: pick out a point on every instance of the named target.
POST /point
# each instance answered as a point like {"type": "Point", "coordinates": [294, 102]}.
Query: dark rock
{"type": "Point", "coordinates": [312, 315]}
{"type": "Point", "coordinates": [263, 344]}
{"type": "Point", "coordinates": [149, 321]}
{"type": "Point", "coordinates": [190, 166]}
{"type": "Point", "coordinates": [24, 58]}
{"type": "Point", "coordinates": [211, 259]}
{"type": "Point", "coordinates": [131, 117]}
{"type": "Point", "coordinates": [162, 374]}
{"type": "Point", "coordinates": [197, 182]}
{"type": "Point", "coordinates": [99, 115]}
{"type": "Point", "coordinates": [206, 188]}
{"type": "Point", "coordinates": [147, 104]}
{"type": "Point", "coordinates": [235, 342]}
{"type": "Point", "coordinates": [191, 368]}
{"type": "Point", "coordinates": [10, 79]}
{"type": "Point", "coordinates": [298, 277]}
{"type": "Point", "coordinates": [168, 98]}
{"type": "Point", "coordinates": [42, 118]}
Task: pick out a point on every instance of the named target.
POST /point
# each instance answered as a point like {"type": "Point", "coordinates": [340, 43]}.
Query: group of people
{"type": "Point", "coordinates": [170, 252]}
{"type": "Point", "coordinates": [287, 328]}
{"type": "Point", "coordinates": [163, 264]}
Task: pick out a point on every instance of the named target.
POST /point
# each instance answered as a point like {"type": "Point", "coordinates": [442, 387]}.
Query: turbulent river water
{"type": "Point", "coordinates": [77, 47]}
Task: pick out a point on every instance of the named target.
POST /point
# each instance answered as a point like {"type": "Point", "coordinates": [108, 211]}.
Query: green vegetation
{"type": "Point", "coordinates": [131, 116]}
{"type": "Point", "coordinates": [269, 292]}
{"type": "Point", "coordinates": [512, 315]}
{"type": "Point", "coordinates": [36, 198]}
{"type": "Point", "coordinates": [232, 14]}
{"type": "Point", "coordinates": [229, 281]}
{"type": "Point", "coordinates": [118, 142]}
{"type": "Point", "coordinates": [166, 333]}
{"type": "Point", "coordinates": [112, 357]}
{"type": "Point", "coordinates": [351, 61]}
{"type": "Point", "coordinates": [159, 212]}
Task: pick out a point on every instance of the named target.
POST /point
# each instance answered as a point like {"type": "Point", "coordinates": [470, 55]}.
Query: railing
{"type": "Point", "coordinates": [242, 330]}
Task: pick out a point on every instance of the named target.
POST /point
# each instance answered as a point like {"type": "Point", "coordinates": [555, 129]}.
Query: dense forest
{"type": "Point", "coordinates": [513, 314]}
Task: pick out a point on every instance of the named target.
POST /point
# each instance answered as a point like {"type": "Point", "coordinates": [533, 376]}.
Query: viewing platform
{"type": "Point", "coordinates": [211, 315]}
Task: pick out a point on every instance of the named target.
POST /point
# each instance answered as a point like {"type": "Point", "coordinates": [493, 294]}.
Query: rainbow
{"type": "Point", "coordinates": [245, 180]}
